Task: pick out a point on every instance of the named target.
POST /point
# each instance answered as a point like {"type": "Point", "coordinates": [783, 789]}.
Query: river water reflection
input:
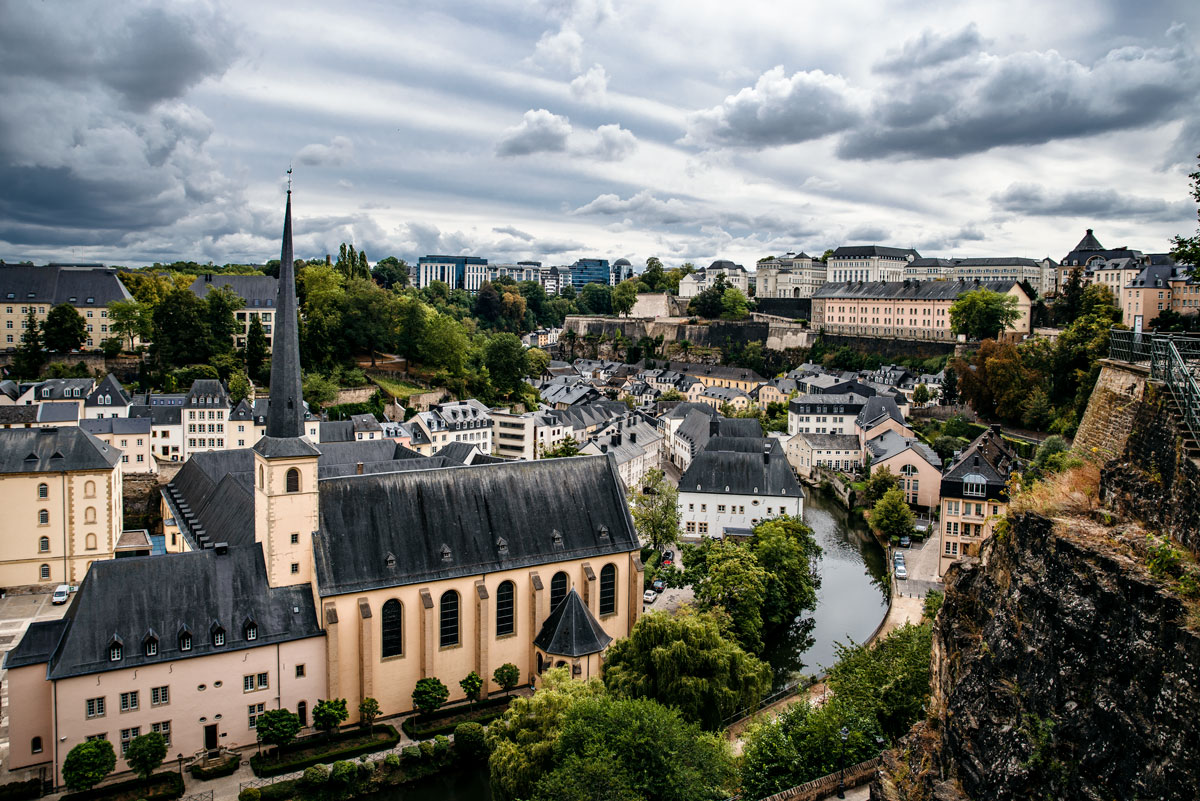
{"type": "Point", "coordinates": [853, 596]}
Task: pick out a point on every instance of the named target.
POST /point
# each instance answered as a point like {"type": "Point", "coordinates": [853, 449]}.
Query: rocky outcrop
{"type": "Point", "coordinates": [1115, 402]}
{"type": "Point", "coordinates": [1061, 670]}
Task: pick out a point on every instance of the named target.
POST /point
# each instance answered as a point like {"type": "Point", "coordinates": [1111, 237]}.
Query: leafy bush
{"type": "Point", "coordinates": [21, 791]}
{"type": "Point", "coordinates": [441, 745]}
{"type": "Point", "coordinates": [315, 776]}
{"type": "Point", "coordinates": [468, 741]}
{"type": "Point", "coordinates": [427, 751]}
{"type": "Point", "coordinates": [228, 768]}
{"type": "Point", "coordinates": [250, 794]}
{"type": "Point", "coordinates": [429, 694]}
{"type": "Point", "coordinates": [933, 602]}
{"type": "Point", "coordinates": [411, 753]}
{"type": "Point", "coordinates": [269, 766]}
{"type": "Point", "coordinates": [279, 791]}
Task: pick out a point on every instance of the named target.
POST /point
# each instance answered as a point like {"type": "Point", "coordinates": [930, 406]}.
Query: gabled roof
{"type": "Point", "coordinates": [110, 391]}
{"type": "Point", "coordinates": [38, 645]}
{"type": "Point", "coordinates": [337, 431]}
{"type": "Point", "coordinates": [18, 415]}
{"type": "Point", "coordinates": [737, 473]}
{"type": "Point", "coordinates": [570, 630]}
{"type": "Point", "coordinates": [197, 592]}
{"type": "Point", "coordinates": [159, 415]}
{"type": "Point", "coordinates": [58, 412]}
{"type": "Point", "coordinates": [207, 392]}
{"type": "Point", "coordinates": [117, 425]}
{"type": "Point", "coordinates": [483, 515]}
{"type": "Point", "coordinates": [890, 443]}
{"type": "Point", "coordinates": [258, 291]}
{"type": "Point", "coordinates": [877, 409]}
{"type": "Point", "coordinates": [907, 290]}
{"type": "Point", "coordinates": [51, 450]}
{"type": "Point", "coordinates": [988, 455]}
{"type": "Point", "coordinates": [840, 442]}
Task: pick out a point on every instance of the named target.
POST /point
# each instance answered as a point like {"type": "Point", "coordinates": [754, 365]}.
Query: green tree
{"type": "Point", "coordinates": [507, 676]}
{"type": "Point", "coordinates": [983, 314]}
{"type": "Point", "coordinates": [390, 272]}
{"type": "Point", "coordinates": [711, 302]}
{"type": "Point", "coordinates": [506, 362]}
{"type": "Point", "coordinates": [319, 390]}
{"type": "Point", "coordinates": [146, 753]}
{"type": "Point", "coordinates": [624, 296]}
{"type": "Point", "coordinates": [429, 694]}
{"type": "Point", "coordinates": [1066, 308]}
{"type": "Point", "coordinates": [220, 306]}
{"type": "Point", "coordinates": [950, 387]}
{"type": "Point", "coordinates": [787, 550]}
{"type": "Point", "coordinates": [684, 661]}
{"type": "Point", "coordinates": [1186, 249]}
{"type": "Point", "coordinates": [654, 277]}
{"type": "Point", "coordinates": [179, 331]}
{"type": "Point", "coordinates": [539, 361]}
{"type": "Point", "coordinates": [891, 516]}
{"type": "Point", "coordinates": [368, 710]}
{"type": "Point", "coordinates": [878, 484]}
{"type": "Point", "coordinates": [277, 727]}
{"type": "Point", "coordinates": [471, 684]}
{"type": "Point", "coordinates": [444, 344]}
{"type": "Point", "coordinates": [889, 680]}
{"type": "Point", "coordinates": [733, 580]}
{"type": "Point", "coordinates": [88, 763]}
{"type": "Point", "coordinates": [329, 714]}
{"type": "Point", "coordinates": [603, 746]}
{"type": "Point", "coordinates": [921, 395]}
{"type": "Point", "coordinates": [522, 740]}
{"type": "Point", "coordinates": [369, 317]}
{"type": "Point", "coordinates": [129, 319]}
{"type": "Point", "coordinates": [256, 350]}
{"type": "Point", "coordinates": [239, 387]}
{"type": "Point", "coordinates": [595, 299]}
{"type": "Point", "coordinates": [31, 354]}
{"type": "Point", "coordinates": [488, 303]}
{"type": "Point", "coordinates": [655, 510]}
{"type": "Point", "coordinates": [734, 304]}
{"type": "Point", "coordinates": [569, 338]}
{"type": "Point", "coordinates": [65, 329]}
{"type": "Point", "coordinates": [469, 740]}
{"type": "Point", "coordinates": [565, 448]}
{"type": "Point", "coordinates": [957, 426]}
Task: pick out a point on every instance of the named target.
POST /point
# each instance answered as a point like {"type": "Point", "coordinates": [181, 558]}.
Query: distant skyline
{"type": "Point", "coordinates": [553, 130]}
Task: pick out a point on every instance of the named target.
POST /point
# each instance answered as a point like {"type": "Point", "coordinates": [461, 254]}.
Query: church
{"type": "Point", "coordinates": [339, 570]}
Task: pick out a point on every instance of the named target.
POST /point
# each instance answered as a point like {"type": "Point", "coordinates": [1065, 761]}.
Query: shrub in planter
{"type": "Point", "coordinates": [250, 794]}
{"type": "Point", "coordinates": [411, 754]}
{"type": "Point", "coordinates": [314, 777]}
{"type": "Point", "coordinates": [392, 760]}
{"type": "Point", "coordinates": [427, 751]}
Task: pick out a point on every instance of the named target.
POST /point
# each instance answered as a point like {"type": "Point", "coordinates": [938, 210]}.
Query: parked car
{"type": "Point", "coordinates": [898, 558]}
{"type": "Point", "coordinates": [649, 596]}
{"type": "Point", "coordinates": [658, 585]}
{"type": "Point", "coordinates": [668, 561]}
{"type": "Point", "coordinates": [669, 555]}
{"type": "Point", "coordinates": [905, 541]}
{"type": "Point", "coordinates": [62, 594]}
{"type": "Point", "coordinates": [901, 571]}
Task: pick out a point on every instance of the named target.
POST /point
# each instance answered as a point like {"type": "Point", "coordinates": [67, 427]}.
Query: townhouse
{"type": "Point", "coordinates": [974, 492]}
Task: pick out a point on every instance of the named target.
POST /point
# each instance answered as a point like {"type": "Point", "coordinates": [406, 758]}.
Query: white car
{"type": "Point", "coordinates": [62, 594]}
{"type": "Point", "coordinates": [649, 596]}
{"type": "Point", "coordinates": [901, 571]}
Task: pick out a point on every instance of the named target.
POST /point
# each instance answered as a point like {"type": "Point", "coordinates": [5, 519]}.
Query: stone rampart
{"type": "Point", "coordinates": [1109, 417]}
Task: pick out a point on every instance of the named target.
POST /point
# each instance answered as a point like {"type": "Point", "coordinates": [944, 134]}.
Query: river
{"type": "Point", "coordinates": [853, 596]}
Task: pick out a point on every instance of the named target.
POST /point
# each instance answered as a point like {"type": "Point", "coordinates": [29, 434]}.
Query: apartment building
{"type": "Point", "coordinates": [457, 272]}
{"type": "Point", "coordinates": [809, 450]}
{"type": "Point", "coordinates": [735, 483]}
{"type": "Point", "coordinates": [868, 263]}
{"type": "Point", "coordinates": [974, 492]}
{"type": "Point", "coordinates": [905, 309]}
{"type": "Point", "coordinates": [1042, 274]}
{"type": "Point", "coordinates": [789, 276]}
{"type": "Point", "coordinates": [90, 289]}
{"type": "Point", "coordinates": [1154, 290]}
{"type": "Point", "coordinates": [824, 414]}
{"type": "Point", "coordinates": [130, 436]}
{"type": "Point", "coordinates": [912, 461]}
{"type": "Point", "coordinates": [258, 298]}
{"type": "Point", "coordinates": [736, 276]}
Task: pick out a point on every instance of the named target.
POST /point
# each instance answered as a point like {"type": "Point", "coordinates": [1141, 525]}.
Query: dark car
{"type": "Point", "coordinates": [905, 541]}
{"type": "Point", "coordinates": [658, 585]}
{"type": "Point", "coordinates": [669, 555]}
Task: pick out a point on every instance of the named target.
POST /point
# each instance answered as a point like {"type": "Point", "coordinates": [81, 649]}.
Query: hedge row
{"type": "Point", "coordinates": [424, 730]}
{"type": "Point", "coordinates": [21, 791]}
{"type": "Point", "coordinates": [264, 766]}
{"type": "Point", "coordinates": [228, 769]}
{"type": "Point", "coordinates": [161, 787]}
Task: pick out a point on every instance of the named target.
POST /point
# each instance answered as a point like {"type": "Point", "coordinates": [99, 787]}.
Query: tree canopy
{"type": "Point", "coordinates": [1186, 249]}
{"type": "Point", "coordinates": [88, 763]}
{"type": "Point", "coordinates": [655, 510]}
{"type": "Point", "coordinates": [64, 329]}
{"type": "Point", "coordinates": [983, 314]}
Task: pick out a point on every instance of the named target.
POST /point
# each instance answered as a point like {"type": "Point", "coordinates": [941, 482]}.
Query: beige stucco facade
{"type": "Point", "coordinates": [82, 516]}
{"type": "Point", "coordinates": [966, 523]}
{"type": "Point", "coordinates": [902, 318]}
{"type": "Point", "coordinates": [920, 481]}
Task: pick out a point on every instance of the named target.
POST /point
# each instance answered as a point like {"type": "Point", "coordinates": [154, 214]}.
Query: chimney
{"type": "Point", "coordinates": [632, 437]}
{"type": "Point", "coordinates": [616, 440]}
{"type": "Point", "coordinates": [766, 457]}
{"type": "Point", "coordinates": [604, 449]}
{"type": "Point", "coordinates": [221, 548]}
{"type": "Point", "coordinates": [714, 427]}
{"type": "Point", "coordinates": [358, 469]}
{"type": "Point", "coordinates": [208, 278]}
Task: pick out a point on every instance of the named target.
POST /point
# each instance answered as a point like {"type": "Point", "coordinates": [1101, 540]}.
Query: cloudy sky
{"type": "Point", "coordinates": [136, 132]}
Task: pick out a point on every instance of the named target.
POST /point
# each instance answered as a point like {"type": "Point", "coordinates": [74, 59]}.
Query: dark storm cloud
{"type": "Point", "coordinates": [1033, 199]}
{"type": "Point", "coordinates": [931, 48]}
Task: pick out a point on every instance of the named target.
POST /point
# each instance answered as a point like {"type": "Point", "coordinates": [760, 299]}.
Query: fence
{"type": "Point", "coordinates": [778, 695]}
{"type": "Point", "coordinates": [206, 795]}
{"type": "Point", "coordinates": [853, 776]}
{"type": "Point", "coordinates": [1173, 360]}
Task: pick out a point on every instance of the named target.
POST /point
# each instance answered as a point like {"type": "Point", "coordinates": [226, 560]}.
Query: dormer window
{"type": "Point", "coordinates": [557, 538]}
{"type": "Point", "coordinates": [390, 561]}
{"type": "Point", "coordinates": [114, 651]}
{"type": "Point", "coordinates": [218, 636]}
{"type": "Point", "coordinates": [185, 642]}
{"type": "Point", "coordinates": [251, 631]}
{"type": "Point", "coordinates": [446, 555]}
{"type": "Point", "coordinates": [150, 646]}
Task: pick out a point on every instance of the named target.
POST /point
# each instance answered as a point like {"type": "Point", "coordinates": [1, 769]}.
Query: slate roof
{"type": "Point", "coordinates": [117, 425]}
{"type": "Point", "coordinates": [60, 412]}
{"type": "Point", "coordinates": [715, 371]}
{"type": "Point", "coordinates": [745, 444]}
{"type": "Point", "coordinates": [285, 417]}
{"type": "Point", "coordinates": [726, 394]}
{"type": "Point", "coordinates": [111, 391]}
{"type": "Point", "coordinates": [877, 409]}
{"type": "Point", "coordinates": [867, 251]}
{"type": "Point", "coordinates": [38, 645]}
{"type": "Point", "coordinates": [337, 431]}
{"type": "Point", "coordinates": [458, 452]}
{"type": "Point", "coordinates": [51, 450]}
{"type": "Point", "coordinates": [62, 389]}
{"type": "Point", "coordinates": [258, 291]}
{"type": "Point", "coordinates": [10, 388]}
{"type": "Point", "coordinates": [891, 443]}
{"type": "Point", "coordinates": [489, 518]}
{"type": "Point", "coordinates": [907, 290]}
{"type": "Point", "coordinates": [570, 630]}
{"type": "Point", "coordinates": [159, 415]}
{"type": "Point", "coordinates": [1158, 276]}
{"type": "Point", "coordinates": [18, 415]}
{"type": "Point", "coordinates": [207, 392]}
{"type": "Point", "coordinates": [988, 456]}
{"type": "Point", "coordinates": [852, 402]}
{"type": "Point", "coordinates": [128, 600]}
{"type": "Point", "coordinates": [738, 473]}
{"type": "Point", "coordinates": [53, 284]}
{"type": "Point", "coordinates": [831, 442]}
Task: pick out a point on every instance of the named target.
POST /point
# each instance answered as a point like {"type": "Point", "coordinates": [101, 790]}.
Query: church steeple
{"type": "Point", "coordinates": [285, 411]}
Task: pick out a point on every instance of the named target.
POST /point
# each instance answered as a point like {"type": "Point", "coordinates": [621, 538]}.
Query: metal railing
{"type": "Point", "coordinates": [1173, 359]}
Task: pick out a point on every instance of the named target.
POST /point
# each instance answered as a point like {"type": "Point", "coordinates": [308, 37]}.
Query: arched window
{"type": "Point", "coordinates": [558, 589]}
{"type": "Point", "coordinates": [43, 517]}
{"type": "Point", "coordinates": [391, 635]}
{"type": "Point", "coordinates": [43, 544]}
{"type": "Point", "coordinates": [449, 619]}
{"type": "Point", "coordinates": [293, 480]}
{"type": "Point", "coordinates": [608, 589]}
{"type": "Point", "coordinates": [908, 470]}
{"type": "Point", "coordinates": [44, 572]}
{"type": "Point", "coordinates": [35, 745]}
{"type": "Point", "coordinates": [89, 514]}
{"type": "Point", "coordinates": [89, 489]}
{"type": "Point", "coordinates": [43, 490]}
{"type": "Point", "coordinates": [90, 542]}
{"type": "Point", "coordinates": [260, 476]}
{"type": "Point", "coordinates": [505, 608]}
{"type": "Point", "coordinates": [302, 712]}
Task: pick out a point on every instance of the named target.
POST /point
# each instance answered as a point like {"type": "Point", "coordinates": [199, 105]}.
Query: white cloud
{"type": "Point", "coordinates": [606, 143]}
{"type": "Point", "coordinates": [539, 132]}
{"type": "Point", "coordinates": [562, 50]}
{"type": "Point", "coordinates": [591, 86]}
{"type": "Point", "coordinates": [338, 152]}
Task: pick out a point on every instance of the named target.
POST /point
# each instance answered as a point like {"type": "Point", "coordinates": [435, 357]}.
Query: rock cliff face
{"type": "Point", "coordinates": [1061, 670]}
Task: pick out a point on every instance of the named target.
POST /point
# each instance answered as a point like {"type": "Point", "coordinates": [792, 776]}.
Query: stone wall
{"type": "Point", "coordinates": [891, 348]}
{"type": "Point", "coordinates": [1109, 417]}
{"type": "Point", "coordinates": [1154, 480]}
{"type": "Point", "coordinates": [140, 500]}
{"type": "Point", "coordinates": [794, 308]}
{"type": "Point", "coordinates": [353, 395]}
{"type": "Point", "coordinates": [652, 306]}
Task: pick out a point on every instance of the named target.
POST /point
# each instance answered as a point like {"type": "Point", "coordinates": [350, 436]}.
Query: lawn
{"type": "Point", "coordinates": [398, 389]}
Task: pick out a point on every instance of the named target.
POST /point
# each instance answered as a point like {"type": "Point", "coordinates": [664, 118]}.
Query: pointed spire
{"type": "Point", "coordinates": [285, 412]}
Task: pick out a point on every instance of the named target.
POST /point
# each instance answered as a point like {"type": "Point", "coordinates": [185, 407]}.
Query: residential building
{"type": "Point", "coordinates": [61, 491]}
{"type": "Point", "coordinates": [589, 271]}
{"type": "Point", "coordinates": [62, 390]}
{"type": "Point", "coordinates": [789, 276]}
{"type": "Point", "coordinates": [206, 408]}
{"type": "Point", "coordinates": [824, 414]}
{"type": "Point", "coordinates": [91, 289]}
{"type": "Point", "coordinates": [1154, 290]}
{"type": "Point", "coordinates": [1040, 273]}
{"type": "Point", "coordinates": [735, 275]}
{"type": "Point", "coordinates": [457, 272]}
{"type": "Point", "coordinates": [521, 271]}
{"type": "Point", "coordinates": [258, 298]}
{"type": "Point", "coordinates": [727, 492]}
{"type": "Point", "coordinates": [774, 390]}
{"type": "Point", "coordinates": [456, 421]}
{"type": "Point", "coordinates": [130, 436]}
{"type": "Point", "coordinates": [709, 375]}
{"type": "Point", "coordinates": [807, 451]}
{"type": "Point", "coordinates": [633, 444]}
{"type": "Point", "coordinates": [719, 397]}
{"type": "Point", "coordinates": [167, 441]}
{"type": "Point", "coordinates": [928, 269]}
{"type": "Point", "coordinates": [913, 462]}
{"type": "Point", "coordinates": [108, 399]}
{"type": "Point", "coordinates": [905, 309]}
{"type": "Point", "coordinates": [974, 492]}
{"type": "Point", "coordinates": [699, 426]}
{"type": "Point", "coordinates": [868, 263]}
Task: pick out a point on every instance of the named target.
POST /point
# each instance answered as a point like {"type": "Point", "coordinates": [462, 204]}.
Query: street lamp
{"type": "Point", "coordinates": [841, 793]}
{"type": "Point", "coordinates": [180, 758]}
